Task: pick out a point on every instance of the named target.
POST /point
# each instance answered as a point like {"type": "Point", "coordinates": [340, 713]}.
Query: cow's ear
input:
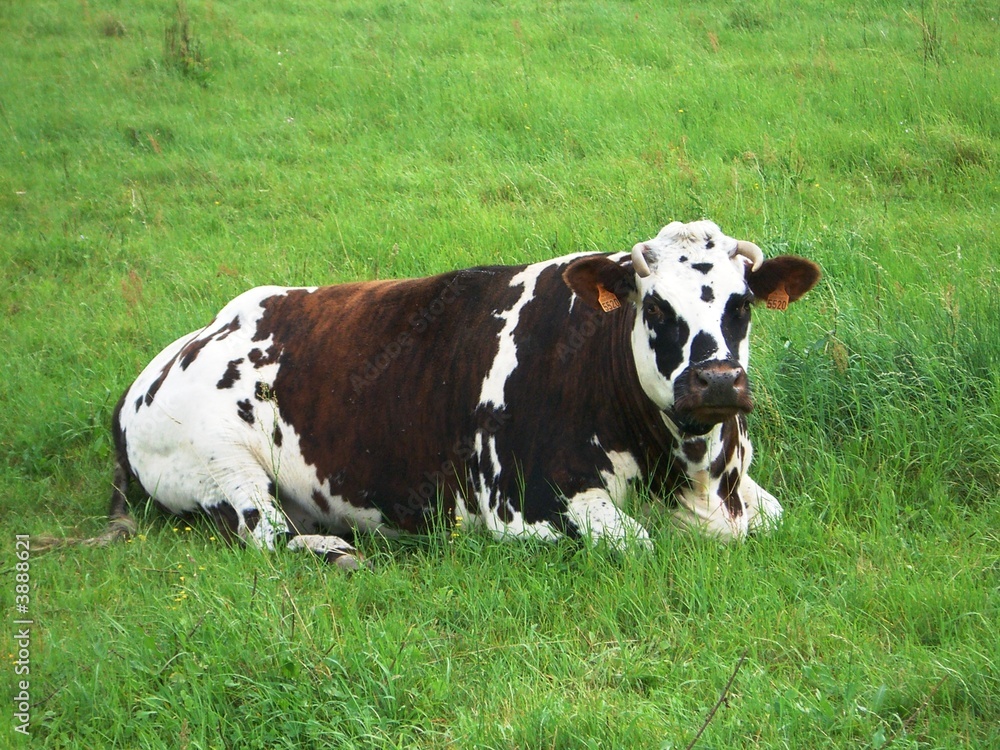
{"type": "Point", "coordinates": [782, 280]}
{"type": "Point", "coordinates": [600, 282]}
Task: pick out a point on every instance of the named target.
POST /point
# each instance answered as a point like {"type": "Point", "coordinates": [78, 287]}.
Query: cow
{"type": "Point", "coordinates": [523, 399]}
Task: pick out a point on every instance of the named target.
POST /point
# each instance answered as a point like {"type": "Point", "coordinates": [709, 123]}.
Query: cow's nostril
{"type": "Point", "coordinates": [718, 376]}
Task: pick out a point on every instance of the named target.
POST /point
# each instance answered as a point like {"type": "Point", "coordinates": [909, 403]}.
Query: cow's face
{"type": "Point", "coordinates": [692, 288]}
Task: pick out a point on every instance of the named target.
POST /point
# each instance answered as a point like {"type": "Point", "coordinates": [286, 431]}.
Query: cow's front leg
{"type": "Point", "coordinates": [702, 508]}
{"type": "Point", "coordinates": [762, 508]}
{"type": "Point", "coordinates": [719, 499]}
{"type": "Point", "coordinates": [596, 518]}
{"type": "Point", "coordinates": [718, 509]}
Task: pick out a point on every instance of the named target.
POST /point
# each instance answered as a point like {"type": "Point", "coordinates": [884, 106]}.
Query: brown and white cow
{"type": "Point", "coordinates": [525, 399]}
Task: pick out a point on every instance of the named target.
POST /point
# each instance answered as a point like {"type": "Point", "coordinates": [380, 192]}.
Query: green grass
{"type": "Point", "coordinates": [148, 176]}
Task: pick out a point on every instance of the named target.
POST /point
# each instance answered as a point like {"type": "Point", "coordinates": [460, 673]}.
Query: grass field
{"type": "Point", "coordinates": [156, 159]}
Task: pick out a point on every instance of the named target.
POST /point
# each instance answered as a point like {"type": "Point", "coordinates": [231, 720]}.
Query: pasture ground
{"type": "Point", "coordinates": [157, 158]}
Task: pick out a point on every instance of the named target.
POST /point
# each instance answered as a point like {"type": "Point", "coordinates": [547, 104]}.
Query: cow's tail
{"type": "Point", "coordinates": [121, 525]}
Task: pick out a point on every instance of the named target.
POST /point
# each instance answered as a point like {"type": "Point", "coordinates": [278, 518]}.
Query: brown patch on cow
{"type": "Point", "coordinates": [262, 358]}
{"type": "Point", "coordinates": [193, 348]}
{"type": "Point", "coordinates": [231, 327]}
{"type": "Point", "coordinates": [231, 375]}
{"type": "Point", "coordinates": [415, 344]}
{"type": "Point", "coordinates": [729, 492]}
{"type": "Point", "coordinates": [730, 439]}
{"type": "Point", "coordinates": [227, 521]}
{"type": "Point", "coordinates": [694, 450]}
{"type": "Point", "coordinates": [245, 411]}
{"type": "Point", "coordinates": [262, 391]}
{"type": "Point", "coordinates": [155, 385]}
{"type": "Point", "coordinates": [251, 517]}
{"type": "Point", "coordinates": [276, 436]}
{"type": "Point", "coordinates": [320, 501]}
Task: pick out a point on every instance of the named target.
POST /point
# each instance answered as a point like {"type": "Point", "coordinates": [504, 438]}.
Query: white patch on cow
{"type": "Point", "coordinates": [624, 469]}
{"type": "Point", "coordinates": [192, 450]}
{"type": "Point", "coordinates": [597, 518]}
{"type": "Point", "coordinates": [490, 519]}
{"type": "Point", "coordinates": [517, 527]}
{"type": "Point", "coordinates": [491, 450]}
{"type": "Point", "coordinates": [505, 361]}
{"type": "Point", "coordinates": [704, 512]}
{"type": "Point", "coordinates": [715, 445]}
{"type": "Point", "coordinates": [462, 514]}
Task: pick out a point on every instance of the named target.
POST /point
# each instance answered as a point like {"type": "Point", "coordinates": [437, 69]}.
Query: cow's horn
{"type": "Point", "coordinates": [750, 251]}
{"type": "Point", "coordinates": [639, 260]}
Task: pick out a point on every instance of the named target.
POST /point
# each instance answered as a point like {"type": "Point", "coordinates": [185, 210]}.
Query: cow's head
{"type": "Point", "coordinates": [692, 288]}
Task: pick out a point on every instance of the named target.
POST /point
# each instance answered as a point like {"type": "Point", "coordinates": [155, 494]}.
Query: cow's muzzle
{"type": "Point", "coordinates": [711, 392]}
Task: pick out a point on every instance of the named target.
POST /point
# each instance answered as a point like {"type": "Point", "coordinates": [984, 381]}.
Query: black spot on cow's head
{"type": "Point", "coordinates": [702, 267]}
{"type": "Point", "coordinates": [703, 347]}
{"type": "Point", "coordinates": [669, 333]}
{"type": "Point", "coordinates": [707, 295]}
{"type": "Point", "coordinates": [736, 321]}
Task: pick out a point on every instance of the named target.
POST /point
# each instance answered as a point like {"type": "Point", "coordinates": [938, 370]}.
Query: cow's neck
{"type": "Point", "coordinates": [639, 418]}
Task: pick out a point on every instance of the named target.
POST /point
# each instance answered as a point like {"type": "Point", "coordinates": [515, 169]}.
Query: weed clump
{"type": "Point", "coordinates": [182, 51]}
{"type": "Point", "coordinates": [112, 28]}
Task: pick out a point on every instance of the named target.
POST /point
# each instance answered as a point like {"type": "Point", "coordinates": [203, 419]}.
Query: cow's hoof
{"type": "Point", "coordinates": [332, 549]}
{"type": "Point", "coordinates": [350, 563]}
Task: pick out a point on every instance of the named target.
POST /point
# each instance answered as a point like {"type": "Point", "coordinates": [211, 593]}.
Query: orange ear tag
{"type": "Point", "coordinates": [778, 299]}
{"type": "Point", "coordinates": [607, 300]}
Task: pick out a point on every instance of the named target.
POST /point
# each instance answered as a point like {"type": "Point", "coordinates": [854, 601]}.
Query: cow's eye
{"type": "Point", "coordinates": [742, 306]}
{"type": "Point", "coordinates": [653, 312]}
